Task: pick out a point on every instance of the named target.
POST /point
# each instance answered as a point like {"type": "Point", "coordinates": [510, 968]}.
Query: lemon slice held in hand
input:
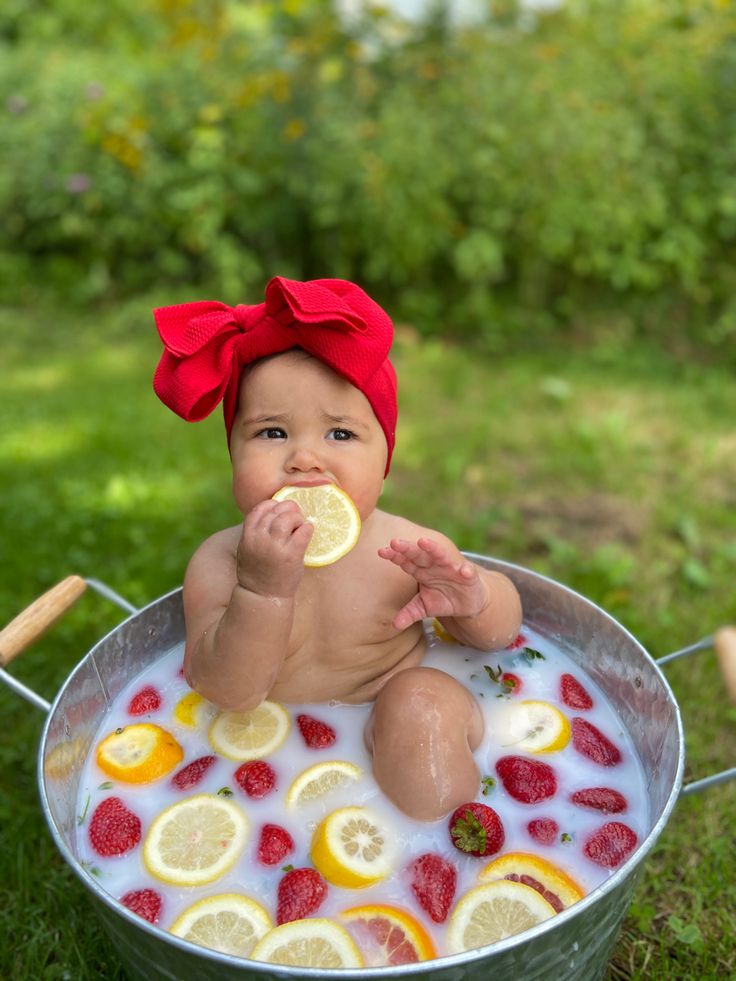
{"type": "Point", "coordinates": [196, 840]}
{"type": "Point", "coordinates": [230, 923]}
{"type": "Point", "coordinates": [334, 516]}
{"type": "Point", "coordinates": [313, 942]}
{"type": "Point", "coordinates": [242, 736]}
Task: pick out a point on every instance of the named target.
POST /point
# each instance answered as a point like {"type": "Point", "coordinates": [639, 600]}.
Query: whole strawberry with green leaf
{"type": "Point", "coordinates": [476, 829]}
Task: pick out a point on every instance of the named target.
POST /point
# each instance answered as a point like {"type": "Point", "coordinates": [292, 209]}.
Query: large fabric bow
{"type": "Point", "coordinates": [207, 344]}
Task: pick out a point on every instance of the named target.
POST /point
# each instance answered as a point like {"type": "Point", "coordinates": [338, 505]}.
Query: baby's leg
{"type": "Point", "coordinates": [422, 731]}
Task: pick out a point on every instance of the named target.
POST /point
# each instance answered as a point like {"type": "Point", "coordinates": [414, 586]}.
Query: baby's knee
{"type": "Point", "coordinates": [422, 731]}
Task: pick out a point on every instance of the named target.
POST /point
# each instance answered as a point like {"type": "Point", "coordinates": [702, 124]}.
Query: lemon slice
{"type": "Point", "coordinates": [493, 912]}
{"type": "Point", "coordinates": [250, 735]}
{"type": "Point", "coordinates": [314, 942]}
{"type": "Point", "coordinates": [549, 880]}
{"type": "Point", "coordinates": [195, 840]}
{"type": "Point", "coordinates": [441, 633]}
{"type": "Point", "coordinates": [350, 848]}
{"type": "Point", "coordinates": [334, 516]}
{"type": "Point", "coordinates": [187, 709]}
{"type": "Point", "coordinates": [532, 727]}
{"type": "Point", "coordinates": [139, 753]}
{"type": "Point", "coordinates": [321, 779]}
{"type": "Point", "coordinates": [230, 923]}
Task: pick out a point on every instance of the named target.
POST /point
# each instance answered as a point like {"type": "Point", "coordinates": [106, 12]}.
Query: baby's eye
{"type": "Point", "coordinates": [271, 433]}
{"type": "Point", "coordinates": [340, 434]}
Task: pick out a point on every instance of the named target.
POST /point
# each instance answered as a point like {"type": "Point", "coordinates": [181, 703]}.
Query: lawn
{"type": "Point", "coordinates": [613, 471]}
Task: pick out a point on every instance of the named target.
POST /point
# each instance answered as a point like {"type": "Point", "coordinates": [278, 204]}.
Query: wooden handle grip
{"type": "Point", "coordinates": [36, 619]}
{"type": "Point", "coordinates": [724, 642]}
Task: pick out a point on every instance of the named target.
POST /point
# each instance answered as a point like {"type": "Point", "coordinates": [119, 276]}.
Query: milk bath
{"type": "Point", "coordinates": [537, 664]}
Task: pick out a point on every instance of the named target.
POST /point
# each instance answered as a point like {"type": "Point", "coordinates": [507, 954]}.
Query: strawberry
{"type": "Point", "coordinates": [528, 781]}
{"type": "Point", "coordinates": [573, 694]}
{"type": "Point", "coordinates": [590, 741]}
{"type": "Point", "coordinates": [274, 844]}
{"type": "Point", "coordinates": [510, 683]}
{"type": "Point", "coordinates": [611, 845]}
{"type": "Point", "coordinates": [146, 700]}
{"type": "Point", "coordinates": [316, 734]}
{"type": "Point", "coordinates": [145, 902]}
{"type": "Point", "coordinates": [600, 799]}
{"type": "Point", "coordinates": [190, 775]}
{"type": "Point", "coordinates": [301, 892]}
{"type": "Point", "coordinates": [476, 829]}
{"type": "Point", "coordinates": [520, 641]}
{"type": "Point", "coordinates": [113, 829]}
{"type": "Point", "coordinates": [256, 777]}
{"type": "Point", "coordinates": [543, 830]}
{"type": "Point", "coordinates": [433, 882]}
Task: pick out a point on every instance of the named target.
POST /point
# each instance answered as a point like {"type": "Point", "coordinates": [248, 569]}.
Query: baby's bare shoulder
{"type": "Point", "coordinates": [210, 575]}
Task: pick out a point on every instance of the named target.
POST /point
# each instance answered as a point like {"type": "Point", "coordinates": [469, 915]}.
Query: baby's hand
{"type": "Point", "coordinates": [274, 539]}
{"type": "Point", "coordinates": [447, 587]}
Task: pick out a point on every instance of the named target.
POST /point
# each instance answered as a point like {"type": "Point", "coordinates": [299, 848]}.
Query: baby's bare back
{"type": "Point", "coordinates": [342, 644]}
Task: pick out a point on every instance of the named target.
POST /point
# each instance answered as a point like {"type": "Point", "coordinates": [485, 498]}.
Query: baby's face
{"type": "Point", "coordinates": [299, 422]}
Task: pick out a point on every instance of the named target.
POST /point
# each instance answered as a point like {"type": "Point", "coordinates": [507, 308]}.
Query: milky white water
{"type": "Point", "coordinates": [409, 839]}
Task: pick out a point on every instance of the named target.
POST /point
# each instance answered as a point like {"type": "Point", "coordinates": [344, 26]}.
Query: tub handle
{"type": "Point", "coordinates": [723, 643]}
{"type": "Point", "coordinates": [29, 625]}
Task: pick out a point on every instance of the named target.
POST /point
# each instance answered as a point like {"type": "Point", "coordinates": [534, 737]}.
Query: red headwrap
{"type": "Point", "coordinates": [207, 345]}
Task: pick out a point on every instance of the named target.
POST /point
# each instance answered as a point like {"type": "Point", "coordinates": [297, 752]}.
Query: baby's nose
{"type": "Point", "coordinates": [304, 457]}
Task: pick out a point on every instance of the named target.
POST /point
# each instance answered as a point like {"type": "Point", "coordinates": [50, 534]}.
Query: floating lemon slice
{"type": "Point", "coordinates": [188, 709]}
{"type": "Point", "coordinates": [313, 942]}
{"type": "Point", "coordinates": [195, 840]}
{"type": "Point", "coordinates": [334, 516]}
{"type": "Point", "coordinates": [532, 727]}
{"type": "Point", "coordinates": [230, 923]}
{"type": "Point", "coordinates": [350, 848]}
{"type": "Point", "coordinates": [388, 935]}
{"type": "Point", "coordinates": [554, 884]}
{"type": "Point", "coordinates": [493, 912]}
{"type": "Point", "coordinates": [441, 633]}
{"type": "Point", "coordinates": [250, 735]}
{"type": "Point", "coordinates": [139, 753]}
{"type": "Point", "coordinates": [321, 779]}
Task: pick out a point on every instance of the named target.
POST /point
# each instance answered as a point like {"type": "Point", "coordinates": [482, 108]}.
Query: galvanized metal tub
{"type": "Point", "coordinates": [575, 944]}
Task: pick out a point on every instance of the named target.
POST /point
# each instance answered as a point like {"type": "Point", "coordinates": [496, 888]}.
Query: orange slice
{"type": "Point", "coordinates": [334, 516]}
{"type": "Point", "coordinates": [139, 753]}
{"type": "Point", "coordinates": [549, 880]}
{"type": "Point", "coordinates": [388, 935]}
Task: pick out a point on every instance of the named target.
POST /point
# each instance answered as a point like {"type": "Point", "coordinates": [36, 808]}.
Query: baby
{"type": "Point", "coordinates": [309, 398]}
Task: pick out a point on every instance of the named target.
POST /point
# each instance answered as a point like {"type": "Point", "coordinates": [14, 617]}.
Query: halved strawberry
{"type": "Point", "coordinates": [300, 893]}
{"type": "Point", "coordinates": [511, 684]}
{"type": "Point", "coordinates": [433, 882]}
{"type": "Point", "coordinates": [476, 829]}
{"type": "Point", "coordinates": [274, 844]}
{"type": "Point", "coordinates": [113, 829]}
{"type": "Point", "coordinates": [146, 700]}
{"type": "Point", "coordinates": [600, 799]}
{"type": "Point", "coordinates": [544, 830]}
{"type": "Point", "coordinates": [315, 733]}
{"type": "Point", "coordinates": [190, 775]}
{"type": "Point", "coordinates": [145, 902]}
{"type": "Point", "coordinates": [256, 777]}
{"type": "Point", "coordinates": [519, 641]}
{"type": "Point", "coordinates": [611, 845]}
{"type": "Point", "coordinates": [528, 781]}
{"type": "Point", "coordinates": [573, 694]}
{"type": "Point", "coordinates": [590, 741]}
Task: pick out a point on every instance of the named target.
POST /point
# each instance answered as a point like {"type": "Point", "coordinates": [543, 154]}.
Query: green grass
{"type": "Point", "coordinates": [614, 472]}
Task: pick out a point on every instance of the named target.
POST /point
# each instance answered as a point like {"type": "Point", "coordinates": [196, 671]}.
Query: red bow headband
{"type": "Point", "coordinates": [207, 345]}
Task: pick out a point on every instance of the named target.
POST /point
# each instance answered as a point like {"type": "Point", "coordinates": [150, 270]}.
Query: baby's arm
{"type": "Point", "coordinates": [478, 607]}
{"type": "Point", "coordinates": [239, 605]}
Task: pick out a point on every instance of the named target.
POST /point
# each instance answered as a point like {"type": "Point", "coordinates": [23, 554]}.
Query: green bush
{"type": "Point", "coordinates": [518, 176]}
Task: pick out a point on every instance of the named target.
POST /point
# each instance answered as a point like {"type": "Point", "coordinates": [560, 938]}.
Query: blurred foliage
{"type": "Point", "coordinates": [533, 172]}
